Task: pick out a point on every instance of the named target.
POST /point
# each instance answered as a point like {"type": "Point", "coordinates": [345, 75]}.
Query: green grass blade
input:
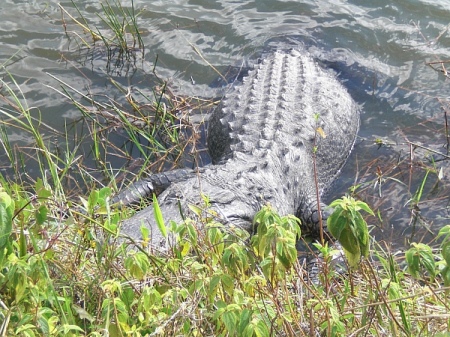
{"type": "Point", "coordinates": [158, 217]}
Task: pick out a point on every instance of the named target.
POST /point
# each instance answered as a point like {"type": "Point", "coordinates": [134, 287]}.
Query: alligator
{"type": "Point", "coordinates": [280, 136]}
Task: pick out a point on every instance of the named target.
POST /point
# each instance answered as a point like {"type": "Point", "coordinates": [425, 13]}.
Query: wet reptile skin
{"type": "Point", "coordinates": [261, 139]}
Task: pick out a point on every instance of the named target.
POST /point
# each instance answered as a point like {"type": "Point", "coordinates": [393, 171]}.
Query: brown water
{"type": "Point", "coordinates": [379, 51]}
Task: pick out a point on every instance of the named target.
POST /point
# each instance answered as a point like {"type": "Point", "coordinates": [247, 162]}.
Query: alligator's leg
{"type": "Point", "coordinates": [308, 213]}
{"type": "Point", "coordinates": [155, 183]}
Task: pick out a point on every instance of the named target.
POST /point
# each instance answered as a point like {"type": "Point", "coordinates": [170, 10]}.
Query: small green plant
{"type": "Point", "coordinates": [419, 257]}
{"type": "Point", "coordinates": [25, 280]}
{"type": "Point", "coordinates": [274, 242]}
{"type": "Point", "coordinates": [122, 31]}
{"type": "Point", "coordinates": [445, 252]}
{"type": "Point", "coordinates": [348, 226]}
{"type": "Point", "coordinates": [426, 264]}
{"type": "Point", "coordinates": [7, 208]}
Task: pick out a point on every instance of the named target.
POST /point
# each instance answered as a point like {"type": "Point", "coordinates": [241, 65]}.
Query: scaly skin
{"type": "Point", "coordinates": [152, 184]}
{"type": "Point", "coordinates": [262, 140]}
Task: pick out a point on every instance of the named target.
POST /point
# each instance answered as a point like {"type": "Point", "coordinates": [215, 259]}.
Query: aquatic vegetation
{"type": "Point", "coordinates": [119, 33]}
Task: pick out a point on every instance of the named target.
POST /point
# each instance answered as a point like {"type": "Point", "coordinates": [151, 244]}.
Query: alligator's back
{"type": "Point", "coordinates": [263, 139]}
{"type": "Point", "coordinates": [287, 107]}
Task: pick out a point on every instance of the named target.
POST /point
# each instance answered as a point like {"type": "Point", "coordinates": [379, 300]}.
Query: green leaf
{"type": "Point", "coordinates": [41, 214]}
{"type": "Point", "coordinates": [41, 191]}
{"type": "Point", "coordinates": [6, 214]}
{"type": "Point", "coordinates": [92, 200]}
{"type": "Point", "coordinates": [446, 276]}
{"type": "Point", "coordinates": [421, 255]}
{"type": "Point", "coordinates": [337, 222]}
{"type": "Point", "coordinates": [196, 210]}
{"type": "Point", "coordinates": [364, 207]}
{"type": "Point", "coordinates": [103, 194]}
{"type": "Point", "coordinates": [228, 283]}
{"type": "Point", "coordinates": [206, 200]}
{"type": "Point", "coordinates": [26, 329]}
{"type": "Point", "coordinates": [213, 286]}
{"type": "Point", "coordinates": [66, 328]}
{"type": "Point", "coordinates": [444, 231]}
{"type": "Point", "coordinates": [137, 265]}
{"type": "Point", "coordinates": [215, 237]}
{"type": "Point", "coordinates": [429, 264]}
{"type": "Point", "coordinates": [229, 319]}
{"type": "Point", "coordinates": [349, 241]}
{"type": "Point", "coordinates": [145, 232]}
{"type": "Point", "coordinates": [22, 243]}
{"type": "Point", "coordinates": [446, 252]}
{"type": "Point", "coordinates": [412, 260]}
{"type": "Point", "coordinates": [244, 320]}
{"type": "Point", "coordinates": [192, 232]}
{"type": "Point", "coordinates": [159, 217]}
{"type": "Point", "coordinates": [261, 329]}
{"type": "Point", "coordinates": [20, 287]}
{"type": "Point", "coordinates": [352, 258]}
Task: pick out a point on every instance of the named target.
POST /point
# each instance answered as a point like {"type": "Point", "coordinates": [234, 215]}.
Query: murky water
{"type": "Point", "coordinates": [380, 50]}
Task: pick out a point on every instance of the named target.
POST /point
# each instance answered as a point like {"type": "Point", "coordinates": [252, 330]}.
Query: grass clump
{"type": "Point", "coordinates": [118, 31]}
{"type": "Point", "coordinates": [155, 126]}
{"type": "Point", "coordinates": [15, 114]}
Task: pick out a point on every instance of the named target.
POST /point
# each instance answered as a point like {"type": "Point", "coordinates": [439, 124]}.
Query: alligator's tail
{"type": "Point", "coordinates": [146, 187]}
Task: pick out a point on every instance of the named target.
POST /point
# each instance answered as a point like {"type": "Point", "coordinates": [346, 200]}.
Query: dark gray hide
{"type": "Point", "coordinates": [261, 139]}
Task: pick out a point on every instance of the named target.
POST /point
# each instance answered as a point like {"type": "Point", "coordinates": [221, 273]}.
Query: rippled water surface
{"type": "Point", "coordinates": [379, 49]}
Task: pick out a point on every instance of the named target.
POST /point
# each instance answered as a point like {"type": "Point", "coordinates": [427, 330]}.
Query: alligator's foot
{"type": "Point", "coordinates": [314, 218]}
